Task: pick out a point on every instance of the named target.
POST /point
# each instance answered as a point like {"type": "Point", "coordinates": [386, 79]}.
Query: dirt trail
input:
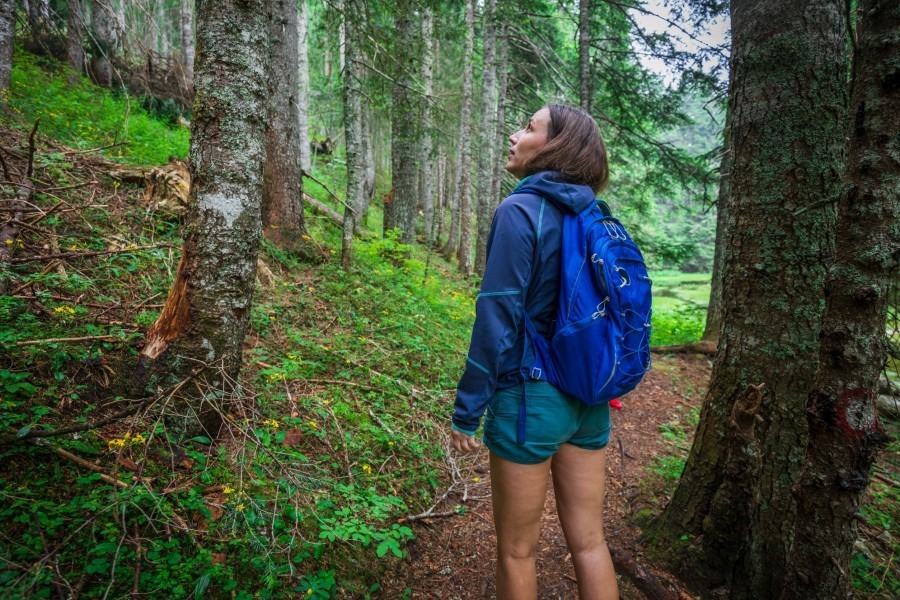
{"type": "Point", "coordinates": [453, 557]}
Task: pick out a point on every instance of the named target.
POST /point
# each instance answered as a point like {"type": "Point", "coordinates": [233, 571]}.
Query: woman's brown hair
{"type": "Point", "coordinates": [574, 148]}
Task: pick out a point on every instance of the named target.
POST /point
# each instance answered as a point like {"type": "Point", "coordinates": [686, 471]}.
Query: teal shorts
{"type": "Point", "coordinates": [552, 418]}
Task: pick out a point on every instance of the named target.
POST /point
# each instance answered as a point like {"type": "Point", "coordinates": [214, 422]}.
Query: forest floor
{"type": "Point", "coordinates": [453, 556]}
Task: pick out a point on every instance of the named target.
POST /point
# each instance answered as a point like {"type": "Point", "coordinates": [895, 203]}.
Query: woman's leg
{"type": "Point", "coordinates": [518, 493]}
{"type": "Point", "coordinates": [579, 481]}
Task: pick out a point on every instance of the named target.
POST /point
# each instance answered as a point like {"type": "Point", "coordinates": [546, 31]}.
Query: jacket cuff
{"type": "Point", "coordinates": [465, 431]}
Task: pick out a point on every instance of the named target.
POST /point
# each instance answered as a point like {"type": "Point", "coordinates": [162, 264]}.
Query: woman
{"type": "Point", "coordinates": [532, 429]}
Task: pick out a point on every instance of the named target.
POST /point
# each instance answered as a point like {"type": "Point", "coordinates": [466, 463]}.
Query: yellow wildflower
{"type": "Point", "coordinates": [366, 469]}
{"type": "Point", "coordinates": [228, 490]}
{"type": "Point", "coordinates": [240, 506]}
{"type": "Point", "coordinates": [313, 424]}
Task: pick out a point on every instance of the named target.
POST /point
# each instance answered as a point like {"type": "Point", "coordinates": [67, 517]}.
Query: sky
{"type": "Point", "coordinates": [712, 34]}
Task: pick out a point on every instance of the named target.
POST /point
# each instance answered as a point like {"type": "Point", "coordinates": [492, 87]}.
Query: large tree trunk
{"type": "Point", "coordinates": [161, 23]}
{"type": "Point", "coordinates": [206, 313]}
{"type": "Point", "coordinates": [75, 35]}
{"type": "Point", "coordinates": [404, 127]}
{"type": "Point", "coordinates": [187, 44]}
{"type": "Point", "coordinates": [7, 30]}
{"type": "Point", "coordinates": [488, 129]}
{"type": "Point", "coordinates": [103, 41]}
{"type": "Point", "coordinates": [713, 329]}
{"type": "Point", "coordinates": [584, 55]}
{"type": "Point", "coordinates": [353, 126]}
{"type": "Point", "coordinates": [282, 199]}
{"type": "Point", "coordinates": [426, 160]}
{"type": "Point", "coordinates": [303, 82]}
{"type": "Point", "coordinates": [788, 104]}
{"type": "Point", "coordinates": [464, 174]}
{"type": "Point", "coordinates": [845, 433]}
{"type": "Point", "coordinates": [502, 141]}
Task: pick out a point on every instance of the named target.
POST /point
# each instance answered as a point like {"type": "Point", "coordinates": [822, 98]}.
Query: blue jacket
{"type": "Point", "coordinates": [521, 273]}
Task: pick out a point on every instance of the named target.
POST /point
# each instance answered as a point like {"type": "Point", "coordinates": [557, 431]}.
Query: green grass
{"type": "Point", "coordinates": [83, 116]}
{"type": "Point", "coordinates": [679, 306]}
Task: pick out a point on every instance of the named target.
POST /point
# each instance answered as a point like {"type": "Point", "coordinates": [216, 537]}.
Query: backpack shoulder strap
{"type": "Point", "coordinates": [604, 208]}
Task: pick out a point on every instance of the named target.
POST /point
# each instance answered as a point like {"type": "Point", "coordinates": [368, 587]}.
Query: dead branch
{"type": "Point", "coordinates": [92, 467]}
{"type": "Point", "coordinates": [701, 347]}
{"type": "Point", "coordinates": [105, 338]}
{"type": "Point", "coordinates": [67, 255]}
{"type": "Point", "coordinates": [323, 209]}
{"type": "Point", "coordinates": [641, 577]}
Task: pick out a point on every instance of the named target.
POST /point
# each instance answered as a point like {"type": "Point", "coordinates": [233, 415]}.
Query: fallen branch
{"type": "Point", "coordinates": [92, 467]}
{"type": "Point", "coordinates": [641, 577]}
{"type": "Point", "coordinates": [106, 338]}
{"type": "Point", "coordinates": [65, 255]}
{"type": "Point", "coordinates": [323, 209]}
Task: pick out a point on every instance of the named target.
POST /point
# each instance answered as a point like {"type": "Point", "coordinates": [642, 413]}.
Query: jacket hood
{"type": "Point", "coordinates": [570, 197]}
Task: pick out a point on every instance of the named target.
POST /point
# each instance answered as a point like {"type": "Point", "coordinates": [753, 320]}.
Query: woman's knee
{"type": "Point", "coordinates": [516, 551]}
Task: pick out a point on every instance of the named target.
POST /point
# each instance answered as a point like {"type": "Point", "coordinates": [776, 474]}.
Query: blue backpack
{"type": "Point", "coordinates": [600, 349]}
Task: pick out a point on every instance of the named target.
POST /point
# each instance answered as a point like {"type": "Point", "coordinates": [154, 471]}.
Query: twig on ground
{"type": "Point", "coordinates": [92, 467]}
{"type": "Point", "coordinates": [106, 338]}
{"type": "Point", "coordinates": [381, 423]}
{"type": "Point", "coordinates": [64, 255]}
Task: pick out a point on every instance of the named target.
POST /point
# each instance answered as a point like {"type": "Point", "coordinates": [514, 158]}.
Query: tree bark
{"type": "Point", "coordinates": [464, 173]}
{"type": "Point", "coordinates": [7, 31]}
{"type": "Point", "coordinates": [161, 23]}
{"type": "Point", "coordinates": [303, 82]}
{"type": "Point", "coordinates": [75, 35]}
{"type": "Point", "coordinates": [485, 201]}
{"type": "Point", "coordinates": [206, 313]}
{"type": "Point", "coordinates": [353, 126]}
{"type": "Point", "coordinates": [788, 106]}
{"type": "Point", "coordinates": [405, 128]}
{"type": "Point", "coordinates": [845, 433]}
{"type": "Point", "coordinates": [187, 44]}
{"type": "Point", "coordinates": [103, 42]}
{"type": "Point", "coordinates": [426, 160]}
{"type": "Point", "coordinates": [282, 199]}
{"type": "Point", "coordinates": [584, 55]}
{"type": "Point", "coordinates": [713, 328]}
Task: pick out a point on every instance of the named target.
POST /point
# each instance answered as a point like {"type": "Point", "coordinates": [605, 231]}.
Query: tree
{"type": "Point", "coordinates": [75, 35]}
{"type": "Point", "coordinates": [353, 125]}
{"type": "Point", "coordinates": [282, 201]}
{"type": "Point", "coordinates": [187, 43]}
{"type": "Point", "coordinates": [485, 200]}
{"type": "Point", "coordinates": [501, 144]}
{"type": "Point", "coordinates": [787, 137]}
{"type": "Point", "coordinates": [303, 82]}
{"type": "Point", "coordinates": [464, 173]}
{"type": "Point", "coordinates": [7, 31]}
{"type": "Point", "coordinates": [426, 159]}
{"type": "Point", "coordinates": [405, 130]}
{"type": "Point", "coordinates": [713, 327]}
{"type": "Point", "coordinates": [845, 432]}
{"type": "Point", "coordinates": [584, 54]}
{"type": "Point", "coordinates": [103, 41]}
{"type": "Point", "coordinates": [206, 313]}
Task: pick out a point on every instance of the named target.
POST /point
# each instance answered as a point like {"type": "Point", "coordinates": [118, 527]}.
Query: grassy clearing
{"type": "Point", "coordinates": [83, 116]}
{"type": "Point", "coordinates": [679, 306]}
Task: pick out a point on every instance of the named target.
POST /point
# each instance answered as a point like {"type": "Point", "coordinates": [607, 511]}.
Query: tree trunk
{"type": "Point", "coordinates": [103, 47]}
{"type": "Point", "coordinates": [404, 127]}
{"type": "Point", "coordinates": [161, 23]}
{"type": "Point", "coordinates": [584, 55]}
{"type": "Point", "coordinates": [426, 160]}
{"type": "Point", "coordinates": [282, 199]}
{"type": "Point", "coordinates": [464, 174]}
{"type": "Point", "coordinates": [502, 142]}
{"type": "Point", "coordinates": [788, 104]}
{"type": "Point", "coordinates": [7, 31]}
{"type": "Point", "coordinates": [845, 433]}
{"type": "Point", "coordinates": [303, 82]}
{"type": "Point", "coordinates": [206, 313]}
{"type": "Point", "coordinates": [488, 132]}
{"type": "Point", "coordinates": [353, 126]}
{"type": "Point", "coordinates": [75, 36]}
{"type": "Point", "coordinates": [187, 44]}
{"type": "Point", "coordinates": [713, 329]}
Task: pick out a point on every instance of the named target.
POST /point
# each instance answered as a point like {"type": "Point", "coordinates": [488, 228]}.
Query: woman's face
{"type": "Point", "coordinates": [526, 142]}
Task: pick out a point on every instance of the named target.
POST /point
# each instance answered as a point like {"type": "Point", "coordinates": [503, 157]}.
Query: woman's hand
{"type": "Point", "coordinates": [462, 442]}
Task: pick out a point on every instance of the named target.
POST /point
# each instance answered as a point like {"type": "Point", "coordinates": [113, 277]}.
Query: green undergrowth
{"type": "Point", "coordinates": [83, 116]}
{"type": "Point", "coordinates": [337, 432]}
{"type": "Point", "coordinates": [679, 307]}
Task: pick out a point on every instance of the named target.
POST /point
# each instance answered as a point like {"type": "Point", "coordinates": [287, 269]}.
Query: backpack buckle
{"type": "Point", "coordinates": [535, 373]}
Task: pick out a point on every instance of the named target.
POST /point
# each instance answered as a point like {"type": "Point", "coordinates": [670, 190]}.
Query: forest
{"type": "Point", "coordinates": [241, 243]}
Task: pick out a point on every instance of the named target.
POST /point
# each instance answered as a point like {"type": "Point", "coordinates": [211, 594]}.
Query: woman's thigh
{"type": "Point", "coordinates": [518, 494]}
{"type": "Point", "coordinates": [579, 482]}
